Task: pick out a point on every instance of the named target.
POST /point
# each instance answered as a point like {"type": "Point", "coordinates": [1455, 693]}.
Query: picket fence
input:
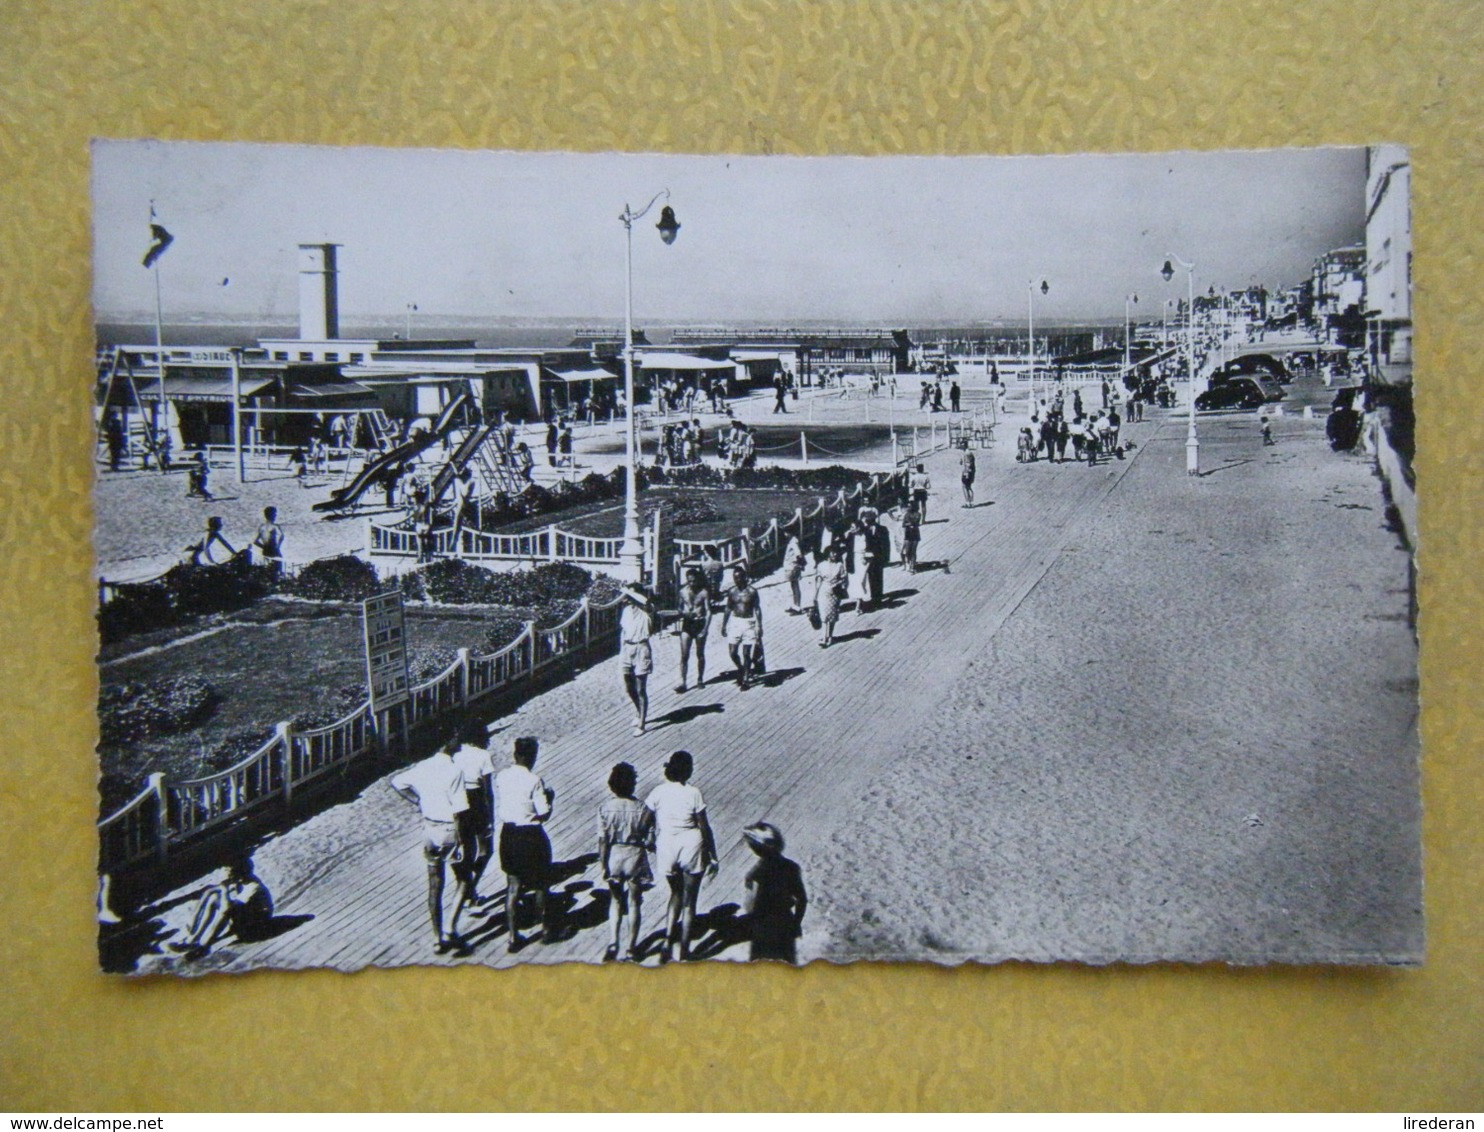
{"type": "Point", "coordinates": [552, 544]}
{"type": "Point", "coordinates": [165, 815]}
{"type": "Point", "coordinates": [759, 553]}
{"type": "Point", "coordinates": [549, 544]}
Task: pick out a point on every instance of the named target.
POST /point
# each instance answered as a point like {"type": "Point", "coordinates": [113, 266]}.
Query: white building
{"type": "Point", "coordinates": [1388, 262]}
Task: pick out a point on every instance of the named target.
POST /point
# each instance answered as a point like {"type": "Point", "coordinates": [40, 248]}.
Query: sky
{"type": "Point", "coordinates": [896, 241]}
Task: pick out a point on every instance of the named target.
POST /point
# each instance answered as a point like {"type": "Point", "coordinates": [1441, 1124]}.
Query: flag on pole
{"type": "Point", "coordinates": [160, 239]}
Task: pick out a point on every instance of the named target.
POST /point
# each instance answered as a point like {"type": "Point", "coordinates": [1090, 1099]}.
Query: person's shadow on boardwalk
{"type": "Point", "coordinates": [778, 676]}
{"type": "Point", "coordinates": [858, 635]}
{"type": "Point", "coordinates": [717, 930]}
{"type": "Point", "coordinates": [564, 916]}
{"type": "Point", "coordinates": [685, 715]}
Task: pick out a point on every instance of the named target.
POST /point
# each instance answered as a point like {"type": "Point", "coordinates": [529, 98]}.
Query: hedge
{"type": "Point", "coordinates": [183, 592]}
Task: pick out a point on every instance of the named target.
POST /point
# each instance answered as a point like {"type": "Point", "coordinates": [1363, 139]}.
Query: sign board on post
{"type": "Point", "coordinates": [386, 650]}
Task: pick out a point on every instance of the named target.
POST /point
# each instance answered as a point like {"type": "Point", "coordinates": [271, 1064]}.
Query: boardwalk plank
{"type": "Point", "coordinates": [797, 754]}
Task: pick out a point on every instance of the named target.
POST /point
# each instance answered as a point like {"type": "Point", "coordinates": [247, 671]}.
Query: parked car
{"type": "Point", "coordinates": [1262, 366]}
{"type": "Point", "coordinates": [1237, 393]}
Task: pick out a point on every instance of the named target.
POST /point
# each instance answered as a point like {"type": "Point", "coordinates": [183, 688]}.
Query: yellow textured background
{"type": "Point", "coordinates": [784, 77]}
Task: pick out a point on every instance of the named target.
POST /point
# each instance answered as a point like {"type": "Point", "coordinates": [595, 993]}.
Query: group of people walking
{"type": "Point", "coordinates": [1050, 432]}
{"type": "Point", "coordinates": [473, 815]}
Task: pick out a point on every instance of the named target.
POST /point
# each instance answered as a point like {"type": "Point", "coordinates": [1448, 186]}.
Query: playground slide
{"type": "Point", "coordinates": [457, 462]}
{"type": "Point", "coordinates": [403, 453]}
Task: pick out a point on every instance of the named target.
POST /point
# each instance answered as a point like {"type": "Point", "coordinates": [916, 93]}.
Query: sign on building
{"type": "Point", "coordinates": [386, 650]}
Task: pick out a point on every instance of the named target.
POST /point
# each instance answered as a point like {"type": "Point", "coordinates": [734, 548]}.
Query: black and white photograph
{"type": "Point", "coordinates": [541, 557]}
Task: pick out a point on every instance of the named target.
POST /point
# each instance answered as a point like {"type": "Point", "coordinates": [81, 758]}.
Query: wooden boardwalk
{"type": "Point", "coordinates": [797, 751]}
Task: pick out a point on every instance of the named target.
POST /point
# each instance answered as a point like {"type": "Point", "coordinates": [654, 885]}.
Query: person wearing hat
{"type": "Point", "coordinates": [774, 898]}
{"type": "Point", "coordinates": [635, 627]}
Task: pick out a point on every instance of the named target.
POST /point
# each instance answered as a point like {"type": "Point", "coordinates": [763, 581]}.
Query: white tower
{"type": "Point", "coordinates": [319, 301]}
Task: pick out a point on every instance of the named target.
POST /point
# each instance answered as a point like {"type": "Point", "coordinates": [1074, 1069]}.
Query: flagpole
{"type": "Point", "coordinates": [162, 417]}
{"type": "Point", "coordinates": [236, 357]}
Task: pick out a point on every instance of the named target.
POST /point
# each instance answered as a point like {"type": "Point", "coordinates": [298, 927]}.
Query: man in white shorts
{"type": "Point", "coordinates": [635, 627]}
{"type": "Point", "coordinates": [742, 625]}
{"type": "Point", "coordinates": [436, 787]}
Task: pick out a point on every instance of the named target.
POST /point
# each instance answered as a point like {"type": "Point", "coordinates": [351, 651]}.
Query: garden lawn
{"type": "Point", "coordinates": [734, 509]}
{"type": "Point", "coordinates": [306, 665]}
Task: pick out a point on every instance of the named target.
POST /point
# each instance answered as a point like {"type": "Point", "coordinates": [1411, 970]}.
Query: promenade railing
{"type": "Point", "coordinates": [166, 815]}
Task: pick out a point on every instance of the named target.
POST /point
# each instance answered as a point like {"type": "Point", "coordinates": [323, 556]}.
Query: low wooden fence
{"type": "Point", "coordinates": [761, 552]}
{"type": "Point", "coordinates": [549, 544]}
{"type": "Point", "coordinates": [165, 815]}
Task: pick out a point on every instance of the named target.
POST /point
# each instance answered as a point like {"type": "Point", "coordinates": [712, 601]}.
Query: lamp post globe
{"type": "Point", "coordinates": [631, 552]}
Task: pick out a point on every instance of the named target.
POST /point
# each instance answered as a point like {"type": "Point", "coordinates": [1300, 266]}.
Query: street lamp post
{"type": "Point", "coordinates": [631, 553]}
{"type": "Point", "coordinates": [1128, 299]}
{"type": "Point", "coordinates": [411, 307]}
{"type": "Point", "coordinates": [1192, 442]}
{"type": "Point", "coordinates": [1030, 332]}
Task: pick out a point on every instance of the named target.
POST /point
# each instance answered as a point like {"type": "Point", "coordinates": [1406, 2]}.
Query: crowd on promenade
{"type": "Point", "coordinates": [474, 815]}
{"type": "Point", "coordinates": [1091, 433]}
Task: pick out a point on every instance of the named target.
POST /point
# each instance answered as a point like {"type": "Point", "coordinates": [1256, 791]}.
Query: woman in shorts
{"type": "Point", "coordinates": [625, 834]}
{"type": "Point", "coordinates": [684, 849]}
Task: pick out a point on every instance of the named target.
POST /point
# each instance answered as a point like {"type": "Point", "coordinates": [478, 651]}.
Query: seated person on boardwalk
{"type": "Point", "coordinates": [239, 906]}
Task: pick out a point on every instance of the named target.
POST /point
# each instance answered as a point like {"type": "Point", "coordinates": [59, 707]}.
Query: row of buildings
{"type": "Point", "coordinates": [287, 386]}
{"type": "Point", "coordinates": [1361, 295]}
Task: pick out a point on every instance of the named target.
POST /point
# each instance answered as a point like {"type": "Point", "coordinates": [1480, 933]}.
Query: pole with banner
{"type": "Point", "coordinates": [386, 656]}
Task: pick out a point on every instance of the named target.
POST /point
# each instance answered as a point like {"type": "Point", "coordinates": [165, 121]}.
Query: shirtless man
{"type": "Point", "coordinates": [695, 619]}
{"type": "Point", "coordinates": [742, 624]}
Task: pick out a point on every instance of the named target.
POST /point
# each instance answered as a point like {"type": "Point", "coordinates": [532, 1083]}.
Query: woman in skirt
{"type": "Point", "coordinates": [830, 583]}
